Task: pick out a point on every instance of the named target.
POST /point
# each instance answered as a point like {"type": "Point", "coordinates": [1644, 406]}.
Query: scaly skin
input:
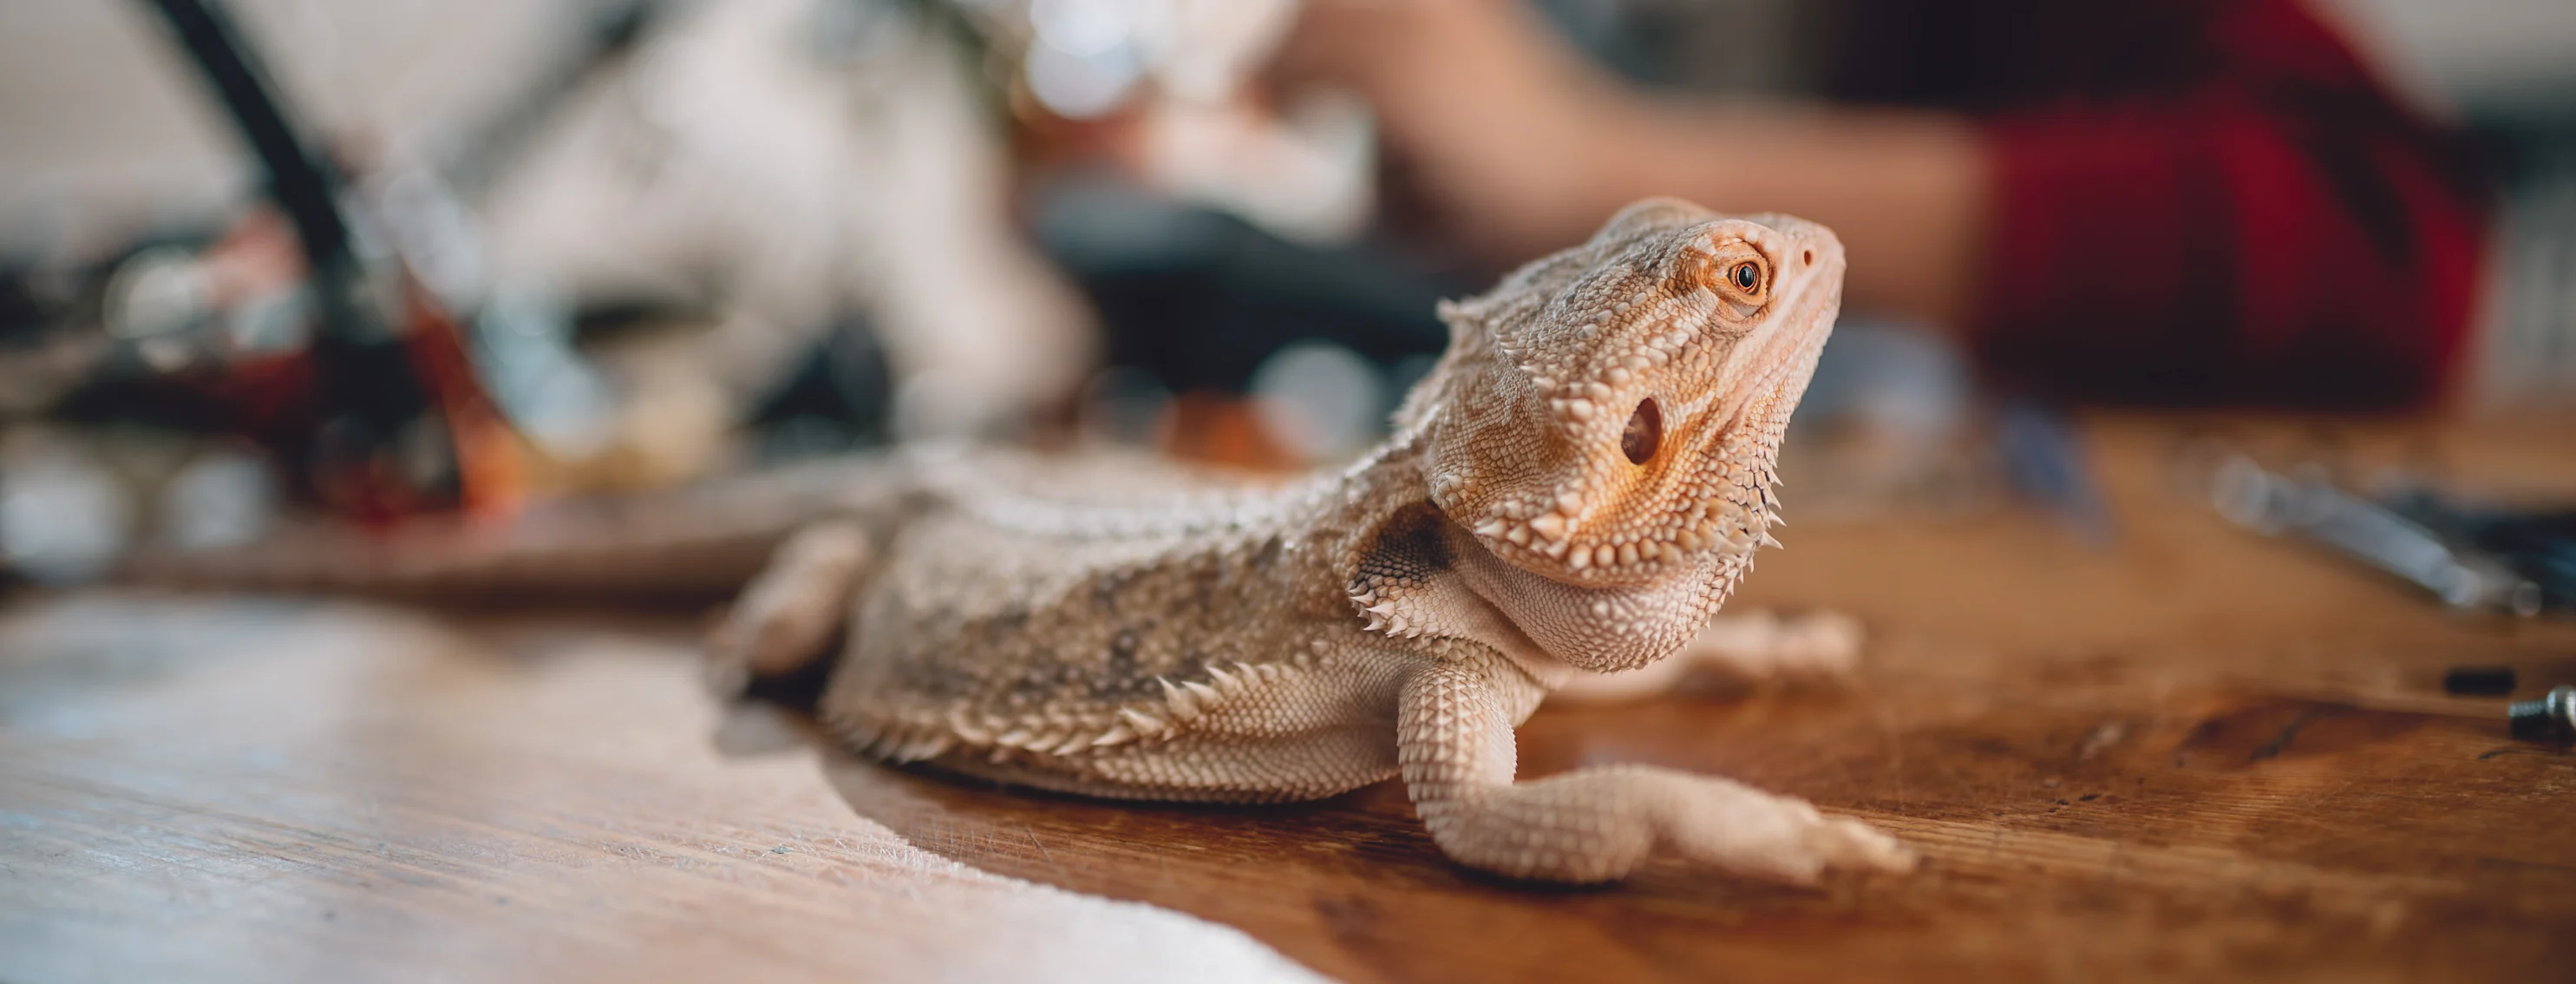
{"type": "Point", "coordinates": [1575, 489]}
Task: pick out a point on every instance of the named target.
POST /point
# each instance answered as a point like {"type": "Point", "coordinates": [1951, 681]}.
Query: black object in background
{"type": "Point", "coordinates": [840, 396]}
{"type": "Point", "coordinates": [365, 389]}
{"type": "Point", "coordinates": [1199, 298]}
{"type": "Point", "coordinates": [2479, 681]}
{"type": "Point", "coordinates": [2540, 545]}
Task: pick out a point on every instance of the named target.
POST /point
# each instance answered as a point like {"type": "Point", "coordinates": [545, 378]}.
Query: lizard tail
{"type": "Point", "coordinates": [697, 542]}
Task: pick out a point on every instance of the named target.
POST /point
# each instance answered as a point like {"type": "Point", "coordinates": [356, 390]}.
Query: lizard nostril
{"type": "Point", "coordinates": [1645, 432]}
{"type": "Point", "coordinates": [1807, 257]}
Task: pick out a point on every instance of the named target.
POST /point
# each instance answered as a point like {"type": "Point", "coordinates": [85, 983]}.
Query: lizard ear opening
{"type": "Point", "coordinates": [1645, 432]}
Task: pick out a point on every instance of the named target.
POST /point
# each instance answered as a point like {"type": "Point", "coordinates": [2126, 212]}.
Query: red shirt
{"type": "Point", "coordinates": [2194, 200]}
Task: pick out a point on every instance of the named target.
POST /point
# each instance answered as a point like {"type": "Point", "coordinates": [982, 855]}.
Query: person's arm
{"type": "Point", "coordinates": [1521, 147]}
{"type": "Point", "coordinates": [2271, 229]}
{"type": "Point", "coordinates": [1906, 191]}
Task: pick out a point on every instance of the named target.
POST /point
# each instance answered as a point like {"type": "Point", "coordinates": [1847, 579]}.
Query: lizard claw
{"type": "Point", "coordinates": [1778, 838]}
{"type": "Point", "coordinates": [1855, 846]}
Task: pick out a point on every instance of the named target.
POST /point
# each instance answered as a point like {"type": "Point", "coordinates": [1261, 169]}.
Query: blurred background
{"type": "Point", "coordinates": [392, 258]}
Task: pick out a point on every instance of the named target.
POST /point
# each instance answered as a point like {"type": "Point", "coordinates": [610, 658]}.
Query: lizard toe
{"type": "Point", "coordinates": [1855, 846]}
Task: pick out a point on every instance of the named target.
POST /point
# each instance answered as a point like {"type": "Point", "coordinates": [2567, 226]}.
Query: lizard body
{"type": "Point", "coordinates": [1575, 488]}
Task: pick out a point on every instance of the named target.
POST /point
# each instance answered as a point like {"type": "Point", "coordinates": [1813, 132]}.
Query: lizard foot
{"type": "Point", "coordinates": [1594, 824]}
{"type": "Point", "coordinates": [1764, 646]}
{"type": "Point", "coordinates": [1851, 845]}
{"type": "Point", "coordinates": [1780, 838]}
{"type": "Point", "coordinates": [789, 614]}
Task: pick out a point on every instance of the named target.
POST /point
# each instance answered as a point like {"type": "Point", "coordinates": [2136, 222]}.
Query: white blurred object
{"type": "Point", "coordinates": [1081, 86]}
{"type": "Point", "coordinates": [794, 179]}
{"type": "Point", "coordinates": [1307, 176]}
{"type": "Point", "coordinates": [64, 517]}
{"type": "Point", "coordinates": [1319, 400]}
{"type": "Point", "coordinates": [220, 498]}
{"type": "Point", "coordinates": [1183, 66]}
{"type": "Point", "coordinates": [155, 301]}
{"type": "Point", "coordinates": [1193, 50]}
{"type": "Point", "coordinates": [1307, 173]}
{"type": "Point", "coordinates": [2490, 57]}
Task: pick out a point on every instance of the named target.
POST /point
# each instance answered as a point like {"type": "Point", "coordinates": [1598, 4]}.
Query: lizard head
{"type": "Point", "coordinates": [1610, 415]}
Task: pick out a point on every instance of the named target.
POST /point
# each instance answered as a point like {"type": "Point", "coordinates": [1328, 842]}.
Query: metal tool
{"type": "Point", "coordinates": [2539, 544]}
{"type": "Point", "coordinates": [2551, 718]}
{"type": "Point", "coordinates": [2313, 509]}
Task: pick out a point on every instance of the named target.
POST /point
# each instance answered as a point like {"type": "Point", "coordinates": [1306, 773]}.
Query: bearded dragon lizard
{"type": "Point", "coordinates": [1573, 490]}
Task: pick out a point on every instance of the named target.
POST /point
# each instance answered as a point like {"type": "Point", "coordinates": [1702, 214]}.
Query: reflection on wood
{"type": "Point", "coordinates": [270, 792]}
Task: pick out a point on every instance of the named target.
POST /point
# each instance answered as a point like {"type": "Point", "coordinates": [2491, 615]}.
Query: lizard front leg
{"type": "Point", "coordinates": [1454, 744]}
{"type": "Point", "coordinates": [787, 616]}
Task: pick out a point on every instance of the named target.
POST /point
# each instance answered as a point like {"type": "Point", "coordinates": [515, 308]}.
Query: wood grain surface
{"type": "Point", "coordinates": [195, 791]}
{"type": "Point", "coordinates": [2195, 753]}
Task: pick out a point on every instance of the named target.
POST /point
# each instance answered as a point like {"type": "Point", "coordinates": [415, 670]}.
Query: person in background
{"type": "Point", "coordinates": [2176, 201]}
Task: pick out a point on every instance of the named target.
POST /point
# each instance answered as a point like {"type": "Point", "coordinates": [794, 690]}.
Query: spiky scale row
{"type": "Point", "coordinates": [1056, 734]}
{"type": "Point", "coordinates": [1549, 532]}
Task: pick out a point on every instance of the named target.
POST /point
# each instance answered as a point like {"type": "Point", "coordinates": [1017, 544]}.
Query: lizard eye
{"type": "Point", "coordinates": [1747, 276]}
{"type": "Point", "coordinates": [1645, 433]}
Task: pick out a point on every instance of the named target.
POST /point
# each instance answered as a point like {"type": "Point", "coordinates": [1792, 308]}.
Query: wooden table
{"type": "Point", "coordinates": [2195, 753]}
